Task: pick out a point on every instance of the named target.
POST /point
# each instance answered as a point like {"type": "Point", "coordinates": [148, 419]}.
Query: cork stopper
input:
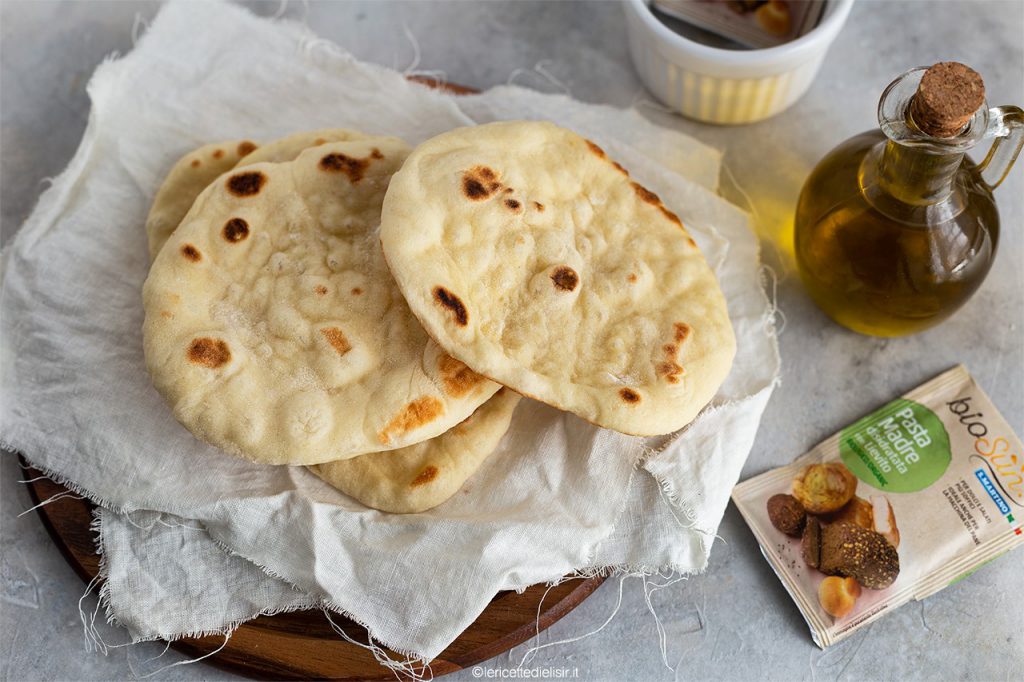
{"type": "Point", "coordinates": [946, 98]}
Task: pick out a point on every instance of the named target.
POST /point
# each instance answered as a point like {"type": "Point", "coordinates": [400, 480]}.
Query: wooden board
{"type": "Point", "coordinates": [302, 645]}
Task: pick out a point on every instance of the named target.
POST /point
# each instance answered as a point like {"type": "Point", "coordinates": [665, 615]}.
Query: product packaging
{"type": "Point", "coordinates": [908, 500]}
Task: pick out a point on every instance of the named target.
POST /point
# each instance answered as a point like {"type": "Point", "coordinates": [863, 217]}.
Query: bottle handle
{"type": "Point", "coordinates": [1006, 125]}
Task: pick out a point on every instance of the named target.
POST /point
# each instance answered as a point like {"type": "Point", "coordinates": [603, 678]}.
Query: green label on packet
{"type": "Point", "coordinates": [902, 447]}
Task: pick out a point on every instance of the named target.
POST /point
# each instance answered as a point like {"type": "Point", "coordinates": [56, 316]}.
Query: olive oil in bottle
{"type": "Point", "coordinates": [896, 228]}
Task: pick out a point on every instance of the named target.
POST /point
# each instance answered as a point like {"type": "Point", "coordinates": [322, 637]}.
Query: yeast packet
{"type": "Point", "coordinates": [911, 498]}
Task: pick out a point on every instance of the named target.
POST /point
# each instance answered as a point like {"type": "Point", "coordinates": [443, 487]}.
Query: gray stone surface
{"type": "Point", "coordinates": [736, 621]}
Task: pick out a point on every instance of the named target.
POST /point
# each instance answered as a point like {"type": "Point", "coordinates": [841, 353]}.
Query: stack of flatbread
{"type": "Point", "coordinates": [343, 302]}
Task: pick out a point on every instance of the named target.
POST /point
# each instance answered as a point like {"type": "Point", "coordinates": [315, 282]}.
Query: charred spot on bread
{"type": "Point", "coordinates": [596, 149]}
{"type": "Point", "coordinates": [670, 215]}
{"type": "Point", "coordinates": [211, 353]}
{"type": "Point", "coordinates": [454, 305]}
{"type": "Point", "coordinates": [457, 378]}
{"type": "Point", "coordinates": [235, 230]}
{"type": "Point", "coordinates": [565, 278]}
{"type": "Point", "coordinates": [479, 183]}
{"type": "Point", "coordinates": [670, 370]}
{"type": "Point", "coordinates": [336, 338]}
{"type": "Point", "coordinates": [245, 147]}
{"type": "Point", "coordinates": [414, 415]}
{"type": "Point", "coordinates": [426, 476]}
{"type": "Point", "coordinates": [646, 195]}
{"type": "Point", "coordinates": [629, 396]}
{"type": "Point", "coordinates": [246, 184]}
{"type": "Point", "coordinates": [354, 168]}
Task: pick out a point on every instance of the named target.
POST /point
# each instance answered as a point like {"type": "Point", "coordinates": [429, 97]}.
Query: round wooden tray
{"type": "Point", "coordinates": [302, 645]}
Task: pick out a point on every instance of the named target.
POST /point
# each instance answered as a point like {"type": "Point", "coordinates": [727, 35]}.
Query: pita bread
{"type": "Point", "coordinates": [287, 148]}
{"type": "Point", "coordinates": [535, 259]}
{"type": "Point", "coordinates": [196, 170]}
{"type": "Point", "coordinates": [421, 476]}
{"type": "Point", "coordinates": [187, 178]}
{"type": "Point", "coordinates": [273, 328]}
{"type": "Point", "coordinates": [411, 479]}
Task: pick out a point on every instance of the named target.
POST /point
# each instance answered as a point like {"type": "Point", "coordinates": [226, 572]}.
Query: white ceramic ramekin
{"type": "Point", "coordinates": [727, 86]}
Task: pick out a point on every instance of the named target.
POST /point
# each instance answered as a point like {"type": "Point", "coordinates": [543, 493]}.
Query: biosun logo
{"type": "Point", "coordinates": [1005, 466]}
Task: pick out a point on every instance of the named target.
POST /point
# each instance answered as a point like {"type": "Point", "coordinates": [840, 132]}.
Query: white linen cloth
{"type": "Point", "coordinates": [559, 496]}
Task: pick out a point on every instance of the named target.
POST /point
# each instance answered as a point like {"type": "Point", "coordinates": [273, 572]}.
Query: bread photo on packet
{"type": "Point", "coordinates": [338, 300]}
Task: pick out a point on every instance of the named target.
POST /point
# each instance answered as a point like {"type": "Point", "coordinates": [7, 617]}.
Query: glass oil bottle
{"type": "Point", "coordinates": [896, 228]}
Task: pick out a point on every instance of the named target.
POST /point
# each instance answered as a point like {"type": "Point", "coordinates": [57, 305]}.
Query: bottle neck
{"type": "Point", "coordinates": [912, 185]}
{"type": "Point", "coordinates": [915, 176]}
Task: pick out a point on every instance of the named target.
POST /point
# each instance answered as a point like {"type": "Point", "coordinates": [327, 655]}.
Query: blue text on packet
{"type": "Point", "coordinates": [992, 492]}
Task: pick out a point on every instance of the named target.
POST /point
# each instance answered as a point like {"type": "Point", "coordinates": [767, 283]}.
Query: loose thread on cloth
{"type": "Point", "coordinates": [62, 480]}
{"type": "Point", "coordinates": [751, 208]}
{"type": "Point", "coordinates": [158, 521]}
{"type": "Point", "coordinates": [640, 99]}
{"type": "Point", "coordinates": [180, 525]}
{"type": "Point", "coordinates": [67, 494]}
{"type": "Point", "coordinates": [649, 589]}
{"type": "Point", "coordinates": [437, 75]}
{"type": "Point", "coordinates": [534, 649]}
{"type": "Point", "coordinates": [415, 49]}
{"type": "Point", "coordinates": [540, 69]}
{"type": "Point", "coordinates": [131, 667]}
{"type": "Point", "coordinates": [671, 497]}
{"type": "Point", "coordinates": [774, 318]}
{"type": "Point", "coordinates": [189, 661]}
{"type": "Point", "coordinates": [671, 576]}
{"type": "Point", "coordinates": [128, 518]}
{"type": "Point", "coordinates": [93, 640]}
{"type": "Point", "coordinates": [408, 667]}
{"type": "Point", "coordinates": [90, 641]}
{"type": "Point", "coordinates": [167, 647]}
{"type": "Point", "coordinates": [282, 9]}
{"type": "Point", "coordinates": [540, 605]}
{"type": "Point", "coordinates": [139, 26]}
